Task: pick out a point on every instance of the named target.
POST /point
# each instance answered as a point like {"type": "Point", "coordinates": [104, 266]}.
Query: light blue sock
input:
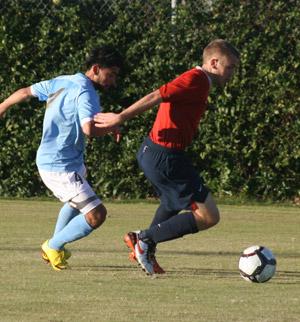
{"type": "Point", "coordinates": [66, 214]}
{"type": "Point", "coordinates": [76, 229]}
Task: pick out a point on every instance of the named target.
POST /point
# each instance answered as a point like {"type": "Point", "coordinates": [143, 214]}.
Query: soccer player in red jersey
{"type": "Point", "coordinates": [182, 103]}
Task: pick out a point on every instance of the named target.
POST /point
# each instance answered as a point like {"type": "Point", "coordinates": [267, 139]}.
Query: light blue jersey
{"type": "Point", "coordinates": [71, 101]}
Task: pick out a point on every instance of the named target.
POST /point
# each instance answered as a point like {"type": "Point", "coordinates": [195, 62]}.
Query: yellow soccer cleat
{"type": "Point", "coordinates": [67, 255]}
{"type": "Point", "coordinates": [55, 257]}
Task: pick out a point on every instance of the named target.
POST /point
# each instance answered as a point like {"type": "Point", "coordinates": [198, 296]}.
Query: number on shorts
{"type": "Point", "coordinates": [78, 178]}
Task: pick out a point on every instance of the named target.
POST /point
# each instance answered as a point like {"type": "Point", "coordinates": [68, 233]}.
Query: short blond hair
{"type": "Point", "coordinates": [219, 46]}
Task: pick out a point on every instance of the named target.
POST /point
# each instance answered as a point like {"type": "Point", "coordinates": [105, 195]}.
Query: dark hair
{"type": "Point", "coordinates": [105, 56]}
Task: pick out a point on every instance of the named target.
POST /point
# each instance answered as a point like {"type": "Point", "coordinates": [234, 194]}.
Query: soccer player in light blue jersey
{"type": "Point", "coordinates": [71, 103]}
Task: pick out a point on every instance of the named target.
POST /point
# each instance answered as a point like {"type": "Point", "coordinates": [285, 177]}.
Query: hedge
{"type": "Point", "coordinates": [247, 146]}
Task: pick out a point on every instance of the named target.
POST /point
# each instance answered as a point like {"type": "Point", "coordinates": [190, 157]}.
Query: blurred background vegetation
{"type": "Point", "coordinates": [249, 146]}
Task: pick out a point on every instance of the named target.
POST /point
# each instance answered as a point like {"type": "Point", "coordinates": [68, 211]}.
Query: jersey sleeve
{"type": "Point", "coordinates": [88, 105]}
{"type": "Point", "coordinates": [186, 87]}
{"type": "Point", "coordinates": [41, 90]}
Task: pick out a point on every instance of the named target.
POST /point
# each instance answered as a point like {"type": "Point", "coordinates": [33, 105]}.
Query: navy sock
{"type": "Point", "coordinates": [175, 227]}
{"type": "Point", "coordinates": [162, 215]}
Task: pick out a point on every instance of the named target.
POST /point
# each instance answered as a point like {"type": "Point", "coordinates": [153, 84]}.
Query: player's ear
{"type": "Point", "coordinates": [214, 63]}
{"type": "Point", "coordinates": [96, 69]}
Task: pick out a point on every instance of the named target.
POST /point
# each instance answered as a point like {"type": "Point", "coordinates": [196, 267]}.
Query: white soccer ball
{"type": "Point", "coordinates": [257, 264]}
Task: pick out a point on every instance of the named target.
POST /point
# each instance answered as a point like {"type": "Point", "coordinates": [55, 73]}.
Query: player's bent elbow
{"type": "Point", "coordinates": [87, 129]}
{"type": "Point", "coordinates": [91, 131]}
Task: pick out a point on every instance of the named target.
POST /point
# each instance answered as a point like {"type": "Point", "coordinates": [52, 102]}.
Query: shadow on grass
{"type": "Point", "coordinates": [160, 252]}
{"type": "Point", "coordinates": [213, 272]}
{"type": "Point", "coordinates": [105, 267]}
{"type": "Point", "coordinates": [218, 253]}
{"type": "Point", "coordinates": [281, 277]}
{"type": "Point", "coordinates": [173, 273]}
{"type": "Point", "coordinates": [287, 277]}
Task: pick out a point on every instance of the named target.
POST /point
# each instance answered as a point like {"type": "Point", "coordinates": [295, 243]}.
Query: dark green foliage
{"type": "Point", "coordinates": [248, 146]}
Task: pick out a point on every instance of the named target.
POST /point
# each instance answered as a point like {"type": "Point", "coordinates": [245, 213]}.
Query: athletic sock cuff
{"type": "Point", "coordinates": [175, 227]}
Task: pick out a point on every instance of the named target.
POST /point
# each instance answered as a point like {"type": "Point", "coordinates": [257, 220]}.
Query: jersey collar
{"type": "Point", "coordinates": [209, 79]}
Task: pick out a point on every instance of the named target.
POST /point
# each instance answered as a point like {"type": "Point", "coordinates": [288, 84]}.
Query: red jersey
{"type": "Point", "coordinates": [184, 103]}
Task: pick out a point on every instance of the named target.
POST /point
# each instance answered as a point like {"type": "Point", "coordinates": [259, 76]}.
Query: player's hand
{"type": "Point", "coordinates": [106, 120]}
{"type": "Point", "coordinates": [117, 134]}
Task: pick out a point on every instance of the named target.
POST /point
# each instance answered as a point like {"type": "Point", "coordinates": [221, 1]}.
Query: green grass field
{"type": "Point", "coordinates": [202, 281]}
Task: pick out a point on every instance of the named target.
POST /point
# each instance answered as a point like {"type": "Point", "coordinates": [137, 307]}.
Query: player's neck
{"type": "Point", "coordinates": [212, 76]}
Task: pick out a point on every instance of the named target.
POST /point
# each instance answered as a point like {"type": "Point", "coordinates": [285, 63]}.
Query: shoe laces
{"type": "Point", "coordinates": [152, 251]}
{"type": "Point", "coordinates": [148, 248]}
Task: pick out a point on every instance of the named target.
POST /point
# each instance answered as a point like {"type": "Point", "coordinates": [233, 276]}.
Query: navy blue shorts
{"type": "Point", "coordinates": [173, 176]}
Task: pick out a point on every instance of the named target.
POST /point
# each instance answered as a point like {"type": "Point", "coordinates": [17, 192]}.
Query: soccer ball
{"type": "Point", "coordinates": [257, 264]}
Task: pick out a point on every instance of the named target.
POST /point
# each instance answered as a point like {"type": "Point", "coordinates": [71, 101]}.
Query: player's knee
{"type": "Point", "coordinates": [206, 217]}
{"type": "Point", "coordinates": [213, 218]}
{"type": "Point", "coordinates": [206, 221]}
{"type": "Point", "coordinates": [96, 216]}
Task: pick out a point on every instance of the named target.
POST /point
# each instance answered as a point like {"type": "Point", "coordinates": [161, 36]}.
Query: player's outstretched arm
{"type": "Point", "coordinates": [18, 96]}
{"type": "Point", "coordinates": [106, 120]}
